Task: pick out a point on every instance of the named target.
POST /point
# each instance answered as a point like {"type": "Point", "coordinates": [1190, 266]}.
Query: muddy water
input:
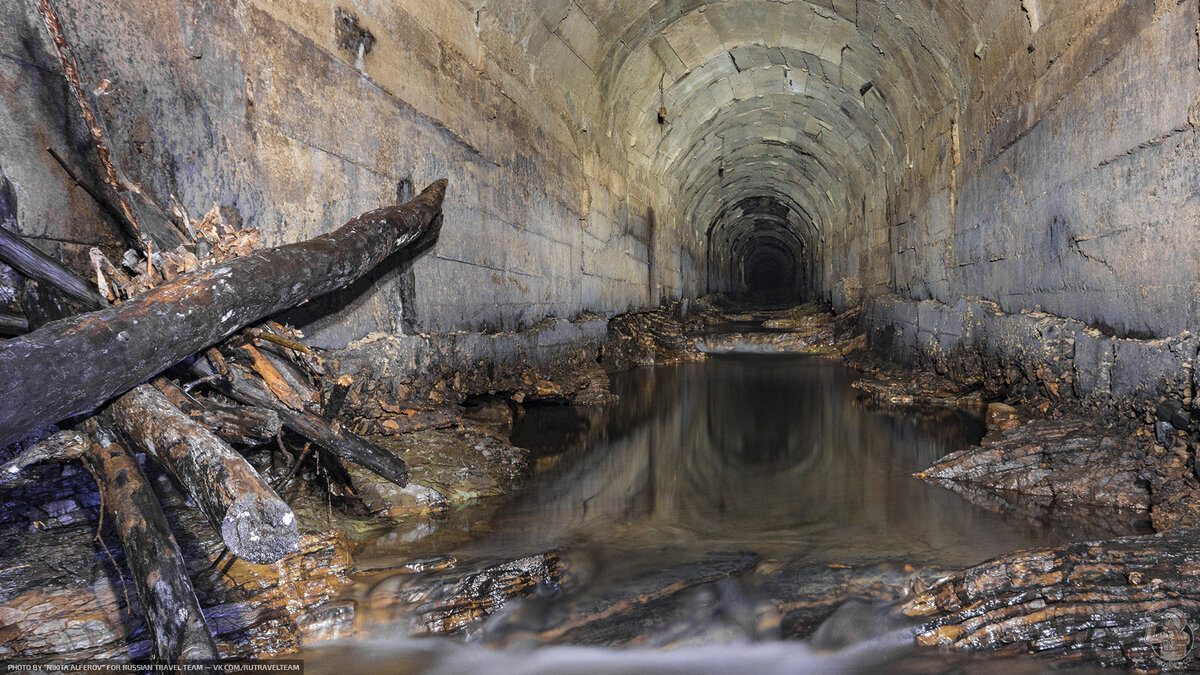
{"type": "Point", "coordinates": [730, 501]}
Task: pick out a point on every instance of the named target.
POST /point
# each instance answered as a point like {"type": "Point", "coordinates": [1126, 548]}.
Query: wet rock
{"type": "Point", "coordinates": [1064, 463]}
{"type": "Point", "coordinates": [448, 600]}
{"type": "Point", "coordinates": [647, 338]}
{"type": "Point", "coordinates": [1002, 417]}
{"type": "Point", "coordinates": [1094, 602]}
{"type": "Point", "coordinates": [896, 386]}
{"type": "Point", "coordinates": [551, 361]}
{"type": "Point", "coordinates": [407, 420]}
{"type": "Point", "coordinates": [683, 602]}
{"type": "Point", "coordinates": [1163, 432]}
{"type": "Point", "coordinates": [1174, 413]}
{"type": "Point", "coordinates": [451, 466]}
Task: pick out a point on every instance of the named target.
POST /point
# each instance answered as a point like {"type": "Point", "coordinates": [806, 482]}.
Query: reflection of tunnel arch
{"type": "Point", "coordinates": [761, 245]}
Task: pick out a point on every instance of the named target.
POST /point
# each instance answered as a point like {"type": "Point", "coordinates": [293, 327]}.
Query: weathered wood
{"type": "Point", "coordinates": [247, 425]}
{"type": "Point", "coordinates": [58, 447]}
{"type": "Point", "coordinates": [151, 552]}
{"type": "Point", "coordinates": [243, 387]}
{"type": "Point", "coordinates": [253, 521]}
{"type": "Point", "coordinates": [43, 303]}
{"type": "Point", "coordinates": [72, 366]}
{"type": "Point", "coordinates": [13, 324]}
{"type": "Point", "coordinates": [284, 388]}
{"type": "Point", "coordinates": [34, 264]}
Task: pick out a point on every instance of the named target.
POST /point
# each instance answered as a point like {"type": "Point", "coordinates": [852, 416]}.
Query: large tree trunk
{"type": "Point", "coordinates": [151, 553]}
{"type": "Point", "coordinates": [72, 366]}
{"type": "Point", "coordinates": [253, 521]}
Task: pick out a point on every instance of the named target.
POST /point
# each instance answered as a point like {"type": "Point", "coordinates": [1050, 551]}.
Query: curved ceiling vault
{"type": "Point", "coordinates": [810, 106]}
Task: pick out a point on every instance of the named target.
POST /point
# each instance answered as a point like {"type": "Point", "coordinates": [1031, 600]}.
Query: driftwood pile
{"type": "Point", "coordinates": [97, 360]}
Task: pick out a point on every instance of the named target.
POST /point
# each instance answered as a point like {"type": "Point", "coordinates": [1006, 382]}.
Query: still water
{"type": "Point", "coordinates": [758, 478]}
{"type": "Point", "coordinates": [775, 454]}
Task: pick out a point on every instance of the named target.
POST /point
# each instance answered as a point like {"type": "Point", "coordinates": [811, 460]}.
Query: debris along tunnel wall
{"type": "Point", "coordinates": [1036, 155]}
{"type": "Point", "coordinates": [294, 116]}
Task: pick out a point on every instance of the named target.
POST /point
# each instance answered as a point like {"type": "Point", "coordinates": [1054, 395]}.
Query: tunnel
{"type": "Point", "coordinates": [524, 295]}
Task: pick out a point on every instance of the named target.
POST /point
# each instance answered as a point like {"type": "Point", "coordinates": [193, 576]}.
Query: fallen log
{"type": "Point", "coordinates": [43, 303]}
{"type": "Point", "coordinates": [155, 562]}
{"type": "Point", "coordinates": [13, 324]}
{"type": "Point", "coordinates": [41, 375]}
{"type": "Point", "coordinates": [241, 386]}
{"type": "Point", "coordinates": [286, 389]}
{"type": "Point", "coordinates": [34, 264]}
{"type": "Point", "coordinates": [59, 447]}
{"type": "Point", "coordinates": [253, 521]}
{"type": "Point", "coordinates": [247, 425]}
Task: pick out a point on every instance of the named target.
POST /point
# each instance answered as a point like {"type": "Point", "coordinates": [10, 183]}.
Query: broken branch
{"type": "Point", "coordinates": [243, 387]}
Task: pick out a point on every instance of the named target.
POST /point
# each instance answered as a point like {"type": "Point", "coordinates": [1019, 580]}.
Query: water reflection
{"type": "Point", "coordinates": [735, 501]}
{"type": "Point", "coordinates": [775, 454]}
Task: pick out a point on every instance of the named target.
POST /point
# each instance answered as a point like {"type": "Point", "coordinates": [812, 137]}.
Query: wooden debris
{"type": "Point", "coordinates": [34, 264]}
{"type": "Point", "coordinates": [59, 447]}
{"type": "Point", "coordinates": [253, 521]}
{"type": "Point", "coordinates": [151, 552]}
{"type": "Point", "coordinates": [13, 324]}
{"type": "Point", "coordinates": [243, 387]}
{"type": "Point", "coordinates": [71, 367]}
{"type": "Point", "coordinates": [247, 425]}
{"type": "Point", "coordinates": [128, 220]}
{"type": "Point", "coordinates": [283, 387]}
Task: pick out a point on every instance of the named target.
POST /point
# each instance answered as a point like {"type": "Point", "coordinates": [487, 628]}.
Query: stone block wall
{"type": "Point", "coordinates": [296, 115]}
{"type": "Point", "coordinates": [1053, 239]}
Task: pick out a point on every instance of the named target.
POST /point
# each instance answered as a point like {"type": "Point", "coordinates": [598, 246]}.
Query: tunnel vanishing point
{"type": "Point", "coordinates": [918, 157]}
{"type": "Point", "coordinates": [1001, 191]}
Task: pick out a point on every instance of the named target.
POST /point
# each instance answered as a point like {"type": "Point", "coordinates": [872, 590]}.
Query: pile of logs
{"type": "Point", "coordinates": [101, 369]}
{"type": "Point", "coordinates": [99, 376]}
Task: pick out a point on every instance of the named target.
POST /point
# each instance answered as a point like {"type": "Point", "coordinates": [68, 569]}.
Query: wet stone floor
{"type": "Point", "coordinates": [751, 501]}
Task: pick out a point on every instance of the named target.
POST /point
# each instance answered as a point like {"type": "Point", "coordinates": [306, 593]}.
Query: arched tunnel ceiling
{"type": "Point", "coordinates": [813, 103]}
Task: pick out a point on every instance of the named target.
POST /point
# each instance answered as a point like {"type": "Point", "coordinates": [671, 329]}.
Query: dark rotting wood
{"type": "Point", "coordinates": [34, 264]}
{"type": "Point", "coordinates": [292, 373]}
{"type": "Point", "coordinates": [281, 386]}
{"type": "Point", "coordinates": [262, 333]}
{"type": "Point", "coordinates": [13, 324]}
{"type": "Point", "coordinates": [247, 425]}
{"type": "Point", "coordinates": [296, 465]}
{"type": "Point", "coordinates": [155, 562]}
{"type": "Point", "coordinates": [102, 201]}
{"type": "Point", "coordinates": [243, 387]}
{"type": "Point", "coordinates": [43, 303]}
{"type": "Point", "coordinates": [253, 521]}
{"type": "Point", "coordinates": [71, 367]}
{"type": "Point", "coordinates": [58, 447]}
{"type": "Point", "coordinates": [337, 397]}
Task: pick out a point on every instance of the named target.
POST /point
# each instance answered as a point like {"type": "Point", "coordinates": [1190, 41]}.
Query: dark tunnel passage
{"type": "Point", "coordinates": [761, 248]}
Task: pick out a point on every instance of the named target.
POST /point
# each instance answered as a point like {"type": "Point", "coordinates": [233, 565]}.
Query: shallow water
{"type": "Point", "coordinates": [714, 495]}
{"type": "Point", "coordinates": [774, 454]}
